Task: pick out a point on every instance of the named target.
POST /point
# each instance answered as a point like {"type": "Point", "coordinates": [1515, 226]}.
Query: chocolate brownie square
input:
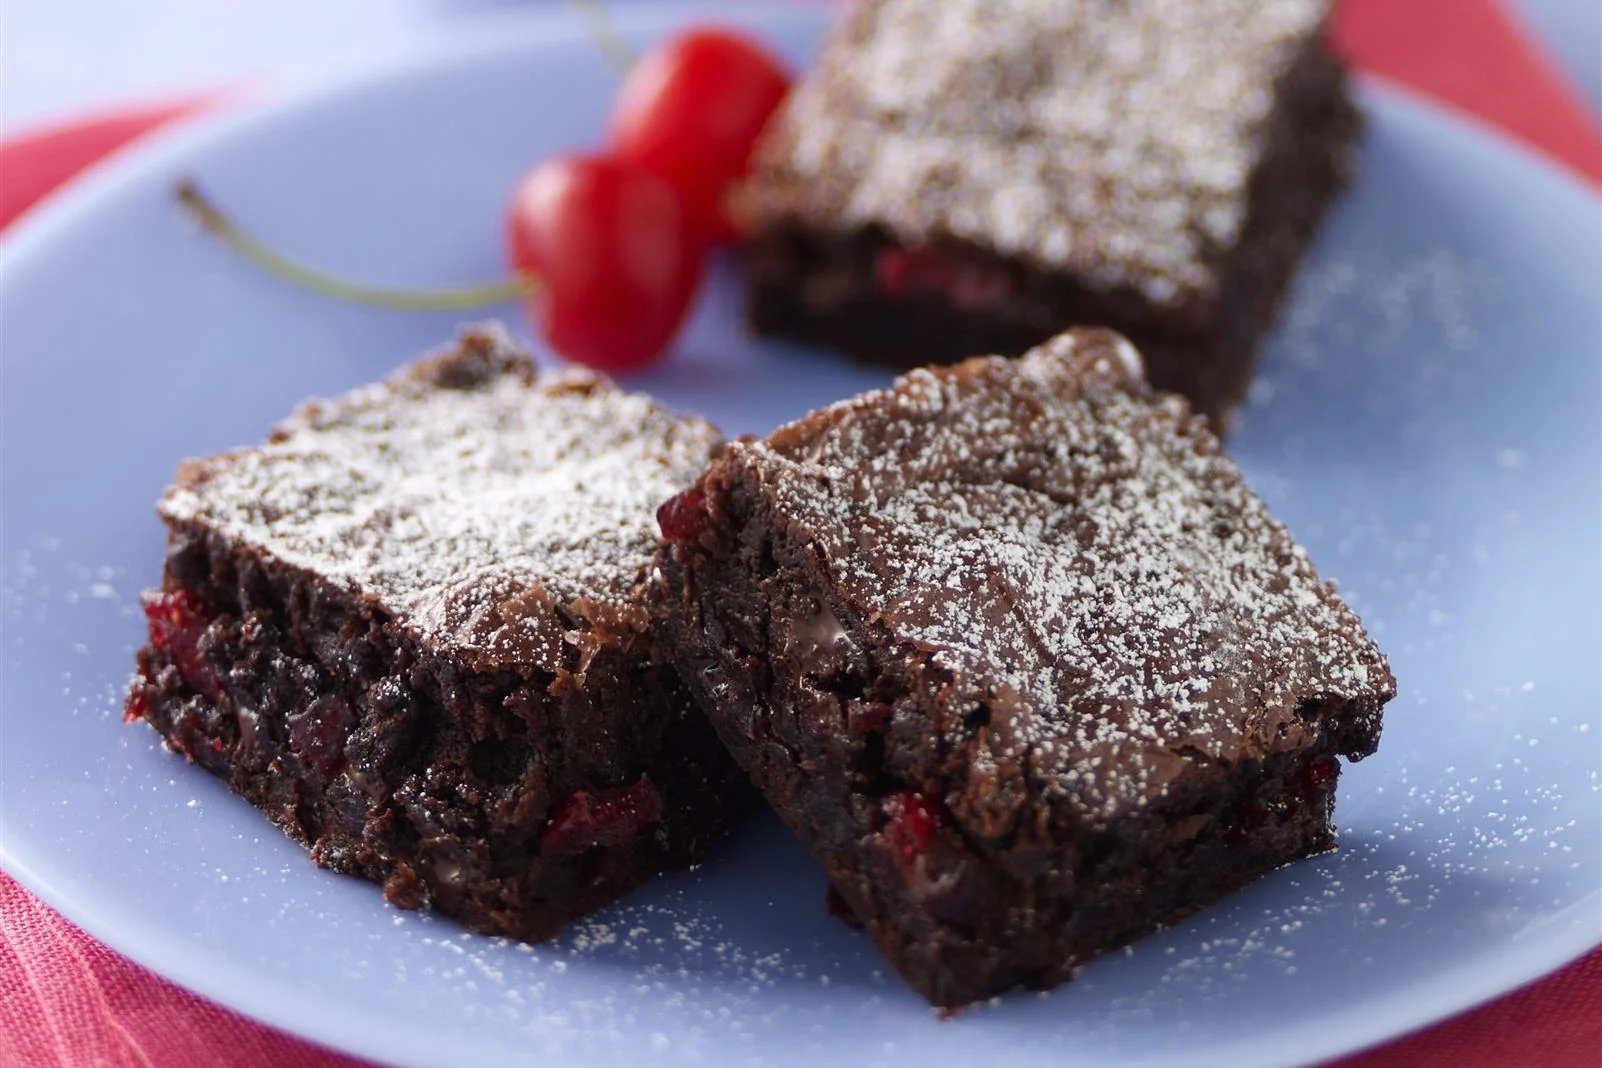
{"type": "Point", "coordinates": [1020, 658]}
{"type": "Point", "coordinates": [407, 629]}
{"type": "Point", "coordinates": [965, 176]}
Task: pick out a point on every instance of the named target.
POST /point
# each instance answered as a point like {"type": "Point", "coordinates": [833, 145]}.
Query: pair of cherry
{"type": "Point", "coordinates": [608, 247]}
{"type": "Point", "coordinates": [612, 244]}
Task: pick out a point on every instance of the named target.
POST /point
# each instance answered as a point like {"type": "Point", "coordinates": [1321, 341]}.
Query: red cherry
{"type": "Point", "coordinates": [601, 818]}
{"type": "Point", "coordinates": [684, 517]}
{"type": "Point", "coordinates": [899, 272]}
{"type": "Point", "coordinates": [614, 256]}
{"type": "Point", "coordinates": [136, 709]}
{"type": "Point", "coordinates": [1322, 773]}
{"type": "Point", "coordinates": [692, 109]}
{"type": "Point", "coordinates": [911, 820]}
{"type": "Point", "coordinates": [176, 621]}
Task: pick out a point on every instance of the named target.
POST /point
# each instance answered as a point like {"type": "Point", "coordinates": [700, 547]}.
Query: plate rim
{"type": "Point", "coordinates": [283, 98]}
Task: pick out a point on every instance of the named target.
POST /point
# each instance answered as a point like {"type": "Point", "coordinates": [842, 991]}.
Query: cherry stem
{"type": "Point", "coordinates": [604, 32]}
{"type": "Point", "coordinates": [211, 218]}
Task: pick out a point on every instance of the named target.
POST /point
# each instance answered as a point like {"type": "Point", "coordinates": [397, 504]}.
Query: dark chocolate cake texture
{"type": "Point", "coordinates": [1016, 653]}
{"type": "Point", "coordinates": [406, 629]}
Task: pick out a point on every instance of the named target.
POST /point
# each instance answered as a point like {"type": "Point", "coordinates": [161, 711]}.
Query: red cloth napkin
{"type": "Point", "coordinates": [67, 1000]}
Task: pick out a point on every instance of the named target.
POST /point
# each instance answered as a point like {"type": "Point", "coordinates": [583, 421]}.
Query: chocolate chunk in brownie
{"type": "Point", "coordinates": [407, 629]}
{"type": "Point", "coordinates": [1021, 659]}
{"type": "Point", "coordinates": [967, 176]}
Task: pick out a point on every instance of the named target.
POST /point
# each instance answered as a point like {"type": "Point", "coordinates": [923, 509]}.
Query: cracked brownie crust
{"type": "Point", "coordinates": [1016, 653]}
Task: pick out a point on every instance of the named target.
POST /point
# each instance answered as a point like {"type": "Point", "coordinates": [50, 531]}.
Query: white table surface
{"type": "Point", "coordinates": [61, 58]}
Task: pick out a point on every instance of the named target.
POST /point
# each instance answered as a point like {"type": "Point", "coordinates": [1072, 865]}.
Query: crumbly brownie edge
{"type": "Point", "coordinates": [1125, 881]}
{"type": "Point", "coordinates": [394, 763]}
{"type": "Point", "coordinates": [813, 284]}
{"type": "Point", "coordinates": [881, 750]}
{"type": "Point", "coordinates": [1315, 157]}
{"type": "Point", "coordinates": [953, 916]}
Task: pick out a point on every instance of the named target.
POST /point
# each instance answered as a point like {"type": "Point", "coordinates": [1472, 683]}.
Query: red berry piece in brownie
{"type": "Point", "coordinates": [1017, 654]}
{"type": "Point", "coordinates": [407, 629]}
{"type": "Point", "coordinates": [965, 176]}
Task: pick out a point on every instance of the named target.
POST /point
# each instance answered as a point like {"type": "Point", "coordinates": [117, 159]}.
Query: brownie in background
{"type": "Point", "coordinates": [961, 177]}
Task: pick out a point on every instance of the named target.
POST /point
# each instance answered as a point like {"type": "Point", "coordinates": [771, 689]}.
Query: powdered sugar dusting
{"type": "Point", "coordinates": [473, 501]}
{"type": "Point", "coordinates": [1082, 561]}
{"type": "Point", "coordinates": [1112, 139]}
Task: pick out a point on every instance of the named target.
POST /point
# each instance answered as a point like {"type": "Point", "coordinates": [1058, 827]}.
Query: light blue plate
{"type": "Point", "coordinates": [1426, 420]}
